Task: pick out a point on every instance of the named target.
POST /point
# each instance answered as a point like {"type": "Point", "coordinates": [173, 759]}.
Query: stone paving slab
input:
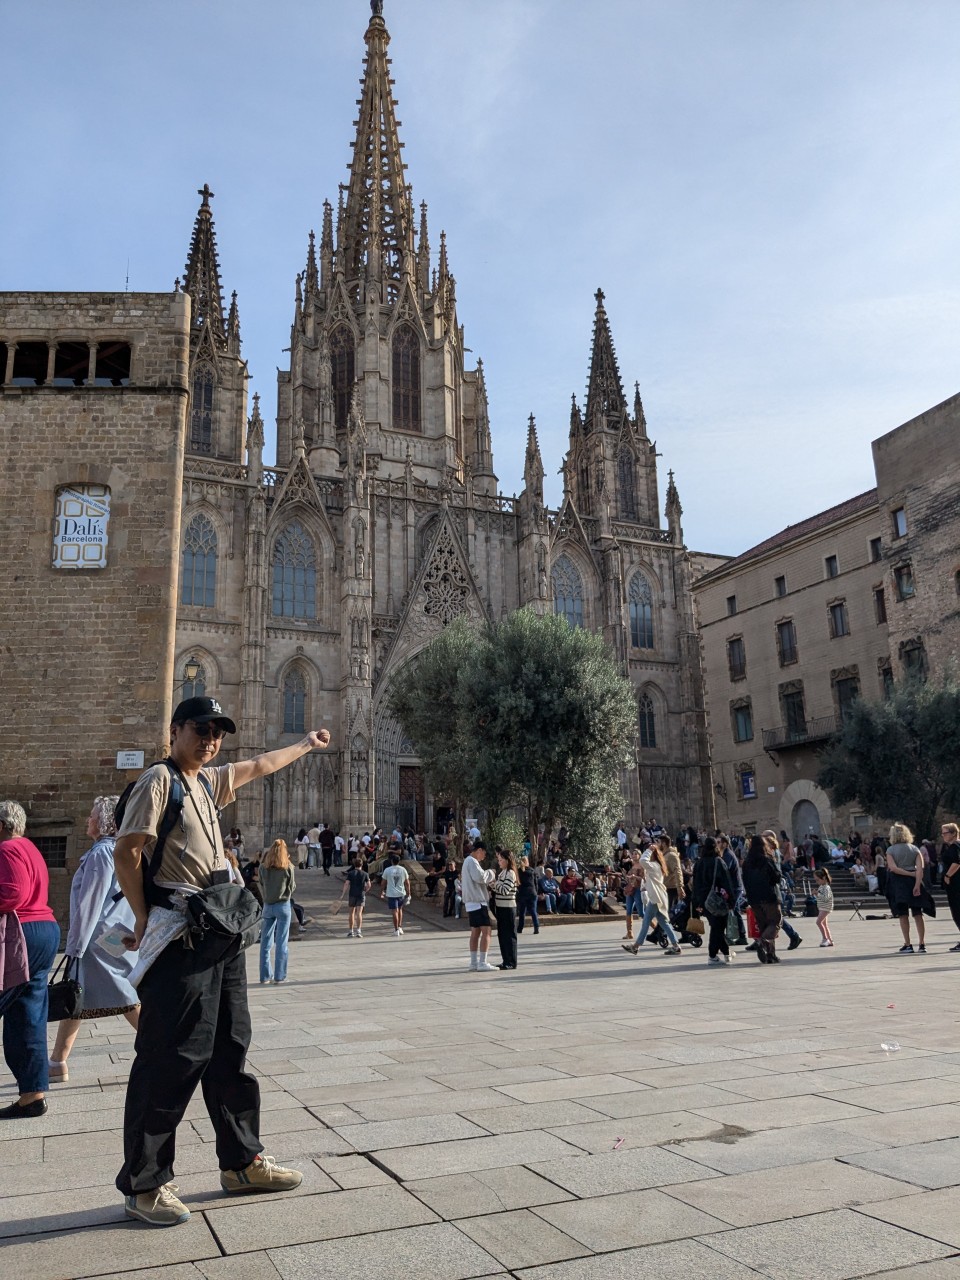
{"type": "Point", "coordinates": [520, 1239]}
{"type": "Point", "coordinates": [374, 1134]}
{"type": "Point", "coordinates": [747, 1199]}
{"type": "Point", "coordinates": [485, 1191]}
{"type": "Point", "coordinates": [928, 1164]}
{"type": "Point", "coordinates": [932, 1213]}
{"type": "Point", "coordinates": [265, 1223]}
{"type": "Point", "coordinates": [472, 1154]}
{"type": "Point", "coordinates": [97, 1250]}
{"type": "Point", "coordinates": [831, 1246]}
{"type": "Point", "coordinates": [440, 1252]}
{"type": "Point", "coordinates": [639, 1131]}
{"type": "Point", "coordinates": [628, 1219]}
{"type": "Point", "coordinates": [688, 1258]}
{"type": "Point", "coordinates": [635, 1169]}
{"type": "Point", "coordinates": [776, 1148]}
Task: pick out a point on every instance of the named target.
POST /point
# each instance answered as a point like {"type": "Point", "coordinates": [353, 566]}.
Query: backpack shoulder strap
{"type": "Point", "coordinates": [171, 816]}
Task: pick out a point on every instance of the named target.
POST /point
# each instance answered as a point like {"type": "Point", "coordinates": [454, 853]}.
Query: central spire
{"type": "Point", "coordinates": [606, 403]}
{"type": "Point", "coordinates": [377, 227]}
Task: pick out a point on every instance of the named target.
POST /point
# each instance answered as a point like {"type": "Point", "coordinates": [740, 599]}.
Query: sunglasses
{"type": "Point", "coordinates": [213, 731]}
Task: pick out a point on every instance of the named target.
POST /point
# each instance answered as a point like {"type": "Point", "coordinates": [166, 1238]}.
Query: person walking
{"type": "Point", "coordinates": [710, 879]}
{"type": "Point", "coordinates": [194, 1019]}
{"type": "Point", "coordinates": [475, 882]}
{"type": "Point", "coordinates": [505, 906]}
{"type": "Point", "coordinates": [674, 872]}
{"type": "Point", "coordinates": [396, 888]}
{"type": "Point", "coordinates": [97, 908]}
{"type": "Point", "coordinates": [313, 846]}
{"type": "Point", "coordinates": [633, 896]}
{"type": "Point", "coordinates": [302, 846]}
{"type": "Point", "coordinates": [278, 885]}
{"type": "Point", "coordinates": [949, 867]}
{"type": "Point", "coordinates": [327, 845]}
{"type": "Point", "coordinates": [761, 882]}
{"type": "Point", "coordinates": [824, 905]}
{"type": "Point", "coordinates": [773, 852]}
{"type": "Point", "coordinates": [450, 878]}
{"type": "Point", "coordinates": [905, 885]}
{"type": "Point", "coordinates": [24, 897]}
{"type": "Point", "coordinates": [653, 867]}
{"type": "Point", "coordinates": [527, 896]}
{"type": "Point", "coordinates": [356, 882]}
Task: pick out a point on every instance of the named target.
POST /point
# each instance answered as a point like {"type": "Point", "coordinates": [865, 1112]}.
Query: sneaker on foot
{"type": "Point", "coordinates": [672, 951]}
{"type": "Point", "coordinates": [633, 948]}
{"type": "Point", "coordinates": [956, 948]}
{"type": "Point", "coordinates": [159, 1208]}
{"type": "Point", "coordinates": [714, 960]}
{"type": "Point", "coordinates": [358, 934]}
{"type": "Point", "coordinates": [906, 950]}
{"type": "Point", "coordinates": [824, 943]}
{"type": "Point", "coordinates": [400, 933]}
{"type": "Point", "coordinates": [484, 967]}
{"type": "Point", "coordinates": [794, 943]}
{"type": "Point", "coordinates": [264, 1174]}
{"type": "Point", "coordinates": [922, 948]}
{"type": "Point", "coordinates": [725, 959]}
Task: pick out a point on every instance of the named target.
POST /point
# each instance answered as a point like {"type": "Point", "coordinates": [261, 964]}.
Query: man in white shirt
{"type": "Point", "coordinates": [396, 887]}
{"type": "Point", "coordinates": [475, 884]}
{"type": "Point", "coordinates": [473, 831]}
{"type": "Point", "coordinates": [338, 846]}
{"type": "Point", "coordinates": [313, 846]}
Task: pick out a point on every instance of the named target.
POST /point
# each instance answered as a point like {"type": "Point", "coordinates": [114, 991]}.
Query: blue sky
{"type": "Point", "coordinates": [766, 190]}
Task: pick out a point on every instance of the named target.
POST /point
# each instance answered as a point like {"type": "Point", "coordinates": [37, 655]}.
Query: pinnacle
{"type": "Point", "coordinates": [605, 398]}
{"type": "Point", "coordinates": [201, 277]}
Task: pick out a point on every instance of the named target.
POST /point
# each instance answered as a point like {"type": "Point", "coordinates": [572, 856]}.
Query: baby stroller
{"type": "Point", "coordinates": [680, 918]}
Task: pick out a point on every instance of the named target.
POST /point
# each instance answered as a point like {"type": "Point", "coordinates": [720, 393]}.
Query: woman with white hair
{"type": "Point", "coordinates": [24, 893]}
{"type": "Point", "coordinates": [98, 908]}
{"type": "Point", "coordinates": [905, 884]}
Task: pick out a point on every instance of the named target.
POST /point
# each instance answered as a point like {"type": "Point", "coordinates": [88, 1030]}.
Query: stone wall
{"type": "Point", "coordinates": [918, 473]}
{"type": "Point", "coordinates": [86, 663]}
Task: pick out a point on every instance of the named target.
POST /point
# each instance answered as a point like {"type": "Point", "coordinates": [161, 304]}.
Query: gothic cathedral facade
{"type": "Point", "coordinates": [306, 586]}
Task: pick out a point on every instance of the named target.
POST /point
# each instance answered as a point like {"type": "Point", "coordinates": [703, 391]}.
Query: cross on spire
{"type": "Point", "coordinates": [605, 398]}
{"type": "Point", "coordinates": [206, 193]}
{"type": "Point", "coordinates": [201, 277]}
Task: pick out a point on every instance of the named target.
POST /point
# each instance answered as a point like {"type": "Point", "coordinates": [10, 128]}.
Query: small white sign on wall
{"type": "Point", "coordinates": [80, 527]}
{"type": "Point", "coordinates": [129, 759]}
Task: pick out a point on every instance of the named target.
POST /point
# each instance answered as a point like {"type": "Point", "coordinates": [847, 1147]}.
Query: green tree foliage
{"type": "Point", "coordinates": [900, 759]}
{"type": "Point", "coordinates": [505, 831]}
{"type": "Point", "coordinates": [529, 711]}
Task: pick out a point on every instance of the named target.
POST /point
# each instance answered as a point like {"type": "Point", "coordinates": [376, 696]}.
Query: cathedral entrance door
{"type": "Point", "coordinates": [411, 805]}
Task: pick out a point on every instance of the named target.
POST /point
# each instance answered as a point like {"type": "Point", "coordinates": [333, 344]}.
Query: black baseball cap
{"type": "Point", "coordinates": [203, 711]}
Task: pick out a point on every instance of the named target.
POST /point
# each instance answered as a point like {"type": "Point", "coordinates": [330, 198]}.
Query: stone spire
{"type": "Point", "coordinates": [326, 246]}
{"type": "Point", "coordinates": [674, 510]}
{"type": "Point", "coordinates": [312, 275]}
{"type": "Point", "coordinates": [423, 251]}
{"type": "Point", "coordinates": [533, 463]}
{"type": "Point", "coordinates": [377, 227]}
{"type": "Point", "coordinates": [201, 277]}
{"type": "Point", "coordinates": [639, 417]}
{"type": "Point", "coordinates": [233, 324]}
{"type": "Point", "coordinates": [606, 403]}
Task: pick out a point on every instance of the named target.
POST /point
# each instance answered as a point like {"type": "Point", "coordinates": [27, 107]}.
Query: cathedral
{"type": "Point", "coordinates": [306, 586]}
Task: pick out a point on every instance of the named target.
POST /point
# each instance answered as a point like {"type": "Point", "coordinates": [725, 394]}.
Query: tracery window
{"type": "Point", "coordinates": [198, 569]}
{"type": "Point", "coordinates": [627, 484]}
{"type": "Point", "coordinates": [648, 721]}
{"type": "Point", "coordinates": [342, 366]}
{"type": "Point", "coordinates": [294, 702]}
{"type": "Point", "coordinates": [406, 379]}
{"type": "Point", "coordinates": [567, 591]}
{"type": "Point", "coordinates": [201, 411]}
{"type": "Point", "coordinates": [640, 597]}
{"type": "Point", "coordinates": [294, 574]}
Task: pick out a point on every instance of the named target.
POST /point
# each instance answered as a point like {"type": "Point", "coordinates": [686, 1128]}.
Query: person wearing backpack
{"type": "Point", "coordinates": [194, 1019]}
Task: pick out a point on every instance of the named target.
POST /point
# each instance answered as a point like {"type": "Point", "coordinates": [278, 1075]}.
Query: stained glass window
{"type": "Point", "coordinates": [294, 574]}
{"type": "Point", "coordinates": [342, 363]}
{"type": "Point", "coordinates": [640, 597]}
{"type": "Point", "coordinates": [201, 411]}
{"type": "Point", "coordinates": [406, 379]}
{"type": "Point", "coordinates": [294, 702]}
{"type": "Point", "coordinates": [567, 591]}
{"type": "Point", "coordinates": [198, 569]}
{"type": "Point", "coordinates": [648, 721]}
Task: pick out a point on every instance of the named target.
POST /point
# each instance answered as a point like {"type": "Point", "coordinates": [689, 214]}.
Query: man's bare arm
{"type": "Point", "coordinates": [260, 766]}
{"type": "Point", "coordinates": [127, 859]}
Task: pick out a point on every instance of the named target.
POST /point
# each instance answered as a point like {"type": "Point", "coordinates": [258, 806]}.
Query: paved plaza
{"type": "Point", "coordinates": [588, 1117]}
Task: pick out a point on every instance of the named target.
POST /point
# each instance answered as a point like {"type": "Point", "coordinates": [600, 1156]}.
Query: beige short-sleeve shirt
{"type": "Point", "coordinates": [194, 848]}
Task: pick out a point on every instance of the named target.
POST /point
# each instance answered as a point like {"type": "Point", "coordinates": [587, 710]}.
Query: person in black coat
{"type": "Point", "coordinates": [761, 883]}
{"type": "Point", "coordinates": [709, 873]}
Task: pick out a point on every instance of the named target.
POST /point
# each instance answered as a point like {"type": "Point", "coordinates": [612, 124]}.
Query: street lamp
{"type": "Point", "coordinates": [191, 669]}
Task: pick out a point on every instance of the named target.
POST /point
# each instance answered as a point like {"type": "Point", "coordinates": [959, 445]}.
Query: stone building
{"type": "Point", "coordinates": [306, 586]}
{"type": "Point", "coordinates": [918, 483]}
{"type": "Point", "coordinates": [93, 416]}
{"type": "Point", "coordinates": [792, 630]}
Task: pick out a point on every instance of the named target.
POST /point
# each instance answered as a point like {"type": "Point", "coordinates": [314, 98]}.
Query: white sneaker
{"type": "Point", "coordinates": [358, 934]}
{"type": "Point", "coordinates": [351, 933]}
{"type": "Point", "coordinates": [727, 959]}
{"type": "Point", "coordinates": [399, 933]}
{"type": "Point", "coordinates": [483, 967]}
{"type": "Point", "coordinates": [714, 960]}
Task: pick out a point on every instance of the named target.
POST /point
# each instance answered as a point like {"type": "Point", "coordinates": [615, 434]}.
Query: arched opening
{"type": "Point", "coordinates": [640, 596]}
{"type": "Point", "coordinates": [198, 566]}
{"type": "Point", "coordinates": [567, 591]}
{"type": "Point", "coordinates": [343, 373]}
{"type": "Point", "coordinates": [627, 484]}
{"type": "Point", "coordinates": [294, 574]}
{"type": "Point", "coordinates": [201, 410]}
{"type": "Point", "coordinates": [805, 820]}
{"type": "Point", "coordinates": [647, 722]}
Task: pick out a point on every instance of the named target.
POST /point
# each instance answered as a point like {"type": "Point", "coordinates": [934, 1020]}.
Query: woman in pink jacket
{"type": "Point", "coordinates": [24, 889]}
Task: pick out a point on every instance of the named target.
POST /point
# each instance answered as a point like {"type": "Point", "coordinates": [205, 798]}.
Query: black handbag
{"type": "Point", "coordinates": [65, 995]}
{"type": "Point", "coordinates": [716, 903]}
{"type": "Point", "coordinates": [217, 916]}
